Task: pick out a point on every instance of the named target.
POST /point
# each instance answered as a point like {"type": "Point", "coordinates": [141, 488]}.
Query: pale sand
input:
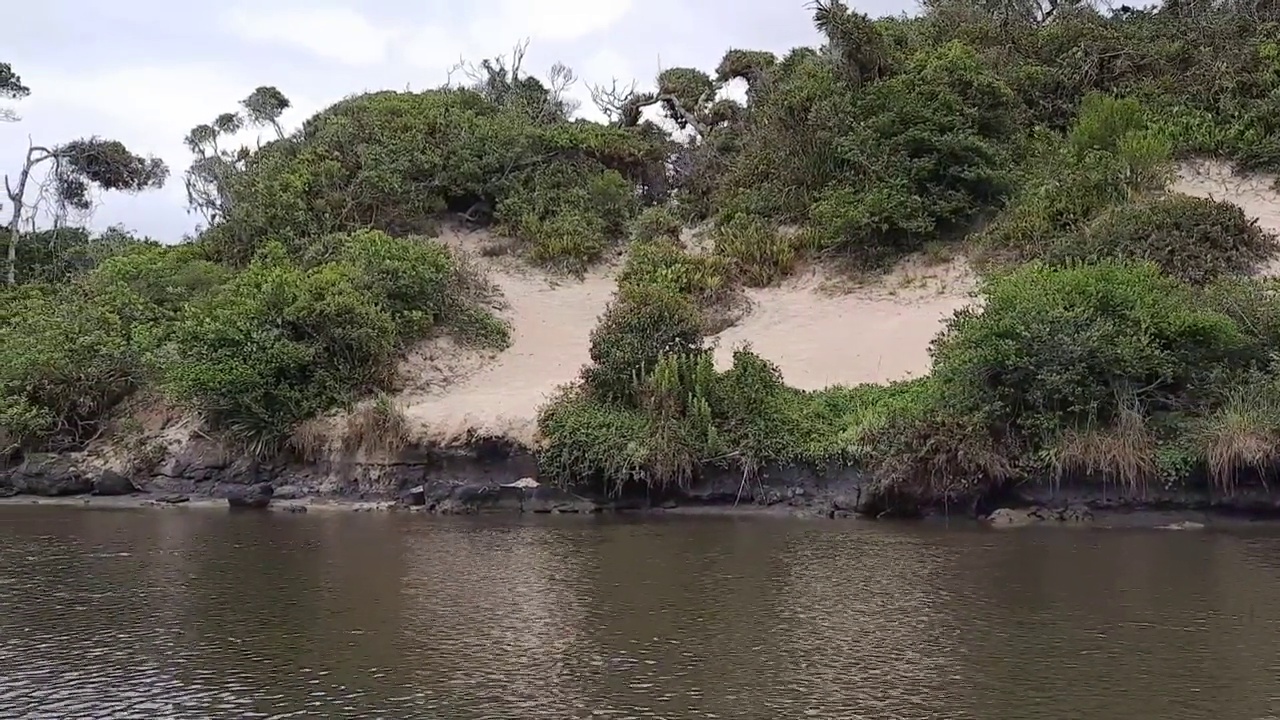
{"type": "Point", "coordinates": [820, 335]}
{"type": "Point", "coordinates": [817, 333]}
{"type": "Point", "coordinates": [1255, 193]}
{"type": "Point", "coordinates": [449, 394]}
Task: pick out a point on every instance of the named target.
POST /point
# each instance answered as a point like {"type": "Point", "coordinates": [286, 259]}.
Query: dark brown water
{"type": "Point", "coordinates": [197, 614]}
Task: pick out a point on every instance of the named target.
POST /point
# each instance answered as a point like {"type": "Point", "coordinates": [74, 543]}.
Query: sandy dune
{"type": "Point", "coordinates": [450, 393]}
{"type": "Point", "coordinates": [820, 335]}
{"type": "Point", "coordinates": [817, 333]}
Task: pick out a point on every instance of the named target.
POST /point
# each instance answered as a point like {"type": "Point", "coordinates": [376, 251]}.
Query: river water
{"type": "Point", "coordinates": [200, 614]}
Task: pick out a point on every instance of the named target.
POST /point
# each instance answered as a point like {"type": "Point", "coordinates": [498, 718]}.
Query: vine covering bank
{"type": "Point", "coordinates": [1123, 336]}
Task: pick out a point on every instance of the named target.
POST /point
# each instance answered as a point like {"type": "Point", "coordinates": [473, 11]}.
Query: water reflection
{"type": "Point", "coordinates": [190, 614]}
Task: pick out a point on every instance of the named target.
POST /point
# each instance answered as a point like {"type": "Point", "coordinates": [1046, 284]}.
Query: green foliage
{"type": "Point", "coordinates": [282, 341]}
{"type": "Point", "coordinates": [1060, 346]}
{"type": "Point", "coordinates": [759, 252]}
{"type": "Point", "coordinates": [1194, 239]}
{"type": "Point", "coordinates": [392, 161]}
{"type": "Point", "coordinates": [59, 255]}
{"type": "Point", "coordinates": [664, 264]}
{"type": "Point", "coordinates": [641, 324]}
{"type": "Point", "coordinates": [654, 223]}
{"type": "Point", "coordinates": [67, 362]}
{"type": "Point", "coordinates": [1109, 157]}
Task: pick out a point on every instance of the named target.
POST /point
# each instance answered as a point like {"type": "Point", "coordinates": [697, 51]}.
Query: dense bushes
{"type": "Point", "coordinates": [253, 352]}
{"type": "Point", "coordinates": [1194, 239]}
{"type": "Point", "coordinates": [395, 161]}
{"type": "Point", "coordinates": [284, 340]}
{"type": "Point", "coordinates": [1120, 339]}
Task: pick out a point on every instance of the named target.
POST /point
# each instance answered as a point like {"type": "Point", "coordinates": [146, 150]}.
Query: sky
{"type": "Point", "coordinates": [145, 71]}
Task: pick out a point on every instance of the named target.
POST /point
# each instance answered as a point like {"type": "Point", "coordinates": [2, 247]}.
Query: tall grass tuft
{"type": "Point", "coordinates": [1243, 434]}
{"type": "Point", "coordinates": [1126, 452]}
{"type": "Point", "coordinates": [379, 427]}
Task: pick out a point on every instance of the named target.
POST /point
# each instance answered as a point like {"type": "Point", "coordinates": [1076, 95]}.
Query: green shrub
{"type": "Point", "coordinates": [1060, 347]}
{"type": "Point", "coordinates": [1194, 239]}
{"type": "Point", "coordinates": [663, 263]}
{"type": "Point", "coordinates": [393, 161]}
{"type": "Point", "coordinates": [67, 362]}
{"type": "Point", "coordinates": [282, 341]}
{"type": "Point", "coordinates": [641, 324]}
{"type": "Point", "coordinates": [760, 254]}
{"type": "Point", "coordinates": [655, 223]}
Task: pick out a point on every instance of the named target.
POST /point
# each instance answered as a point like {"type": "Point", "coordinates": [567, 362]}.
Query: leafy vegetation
{"type": "Point", "coordinates": [1123, 337]}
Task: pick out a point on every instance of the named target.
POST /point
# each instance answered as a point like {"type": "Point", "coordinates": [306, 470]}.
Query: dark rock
{"type": "Point", "coordinates": [1077, 513]}
{"type": "Point", "coordinates": [847, 501]}
{"type": "Point", "coordinates": [288, 492]}
{"type": "Point", "coordinates": [172, 499]}
{"type": "Point", "coordinates": [293, 508]}
{"type": "Point", "coordinates": [255, 497]}
{"type": "Point", "coordinates": [113, 483]}
{"type": "Point", "coordinates": [417, 496]}
{"type": "Point", "coordinates": [1183, 525]}
{"type": "Point", "coordinates": [546, 499]}
{"type": "Point", "coordinates": [50, 476]}
{"type": "Point", "coordinates": [470, 499]}
{"type": "Point", "coordinates": [8, 491]}
{"type": "Point", "coordinates": [1040, 512]}
{"type": "Point", "coordinates": [1009, 517]}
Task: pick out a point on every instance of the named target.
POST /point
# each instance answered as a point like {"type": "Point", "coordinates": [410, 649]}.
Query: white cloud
{"type": "Point", "coordinates": [336, 33]}
{"type": "Point", "coordinates": [433, 48]}
{"type": "Point", "coordinates": [551, 20]}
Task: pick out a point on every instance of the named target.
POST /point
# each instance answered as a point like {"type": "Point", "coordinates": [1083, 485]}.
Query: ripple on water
{"type": "Point", "coordinates": [194, 616]}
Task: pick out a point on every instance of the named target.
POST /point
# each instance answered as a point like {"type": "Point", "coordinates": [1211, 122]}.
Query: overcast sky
{"type": "Point", "coordinates": [146, 71]}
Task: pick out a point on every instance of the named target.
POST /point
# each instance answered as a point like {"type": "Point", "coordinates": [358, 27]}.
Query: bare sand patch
{"type": "Point", "coordinates": [823, 331]}
{"type": "Point", "coordinates": [451, 392]}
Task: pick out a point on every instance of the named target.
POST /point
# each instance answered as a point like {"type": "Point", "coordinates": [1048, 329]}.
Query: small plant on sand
{"type": "Point", "coordinates": [759, 254]}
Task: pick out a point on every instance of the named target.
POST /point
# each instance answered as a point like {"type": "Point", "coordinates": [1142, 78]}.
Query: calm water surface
{"type": "Point", "coordinates": [192, 615]}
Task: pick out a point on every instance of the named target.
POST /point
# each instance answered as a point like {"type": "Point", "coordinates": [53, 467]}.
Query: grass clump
{"type": "Point", "coordinates": [377, 427]}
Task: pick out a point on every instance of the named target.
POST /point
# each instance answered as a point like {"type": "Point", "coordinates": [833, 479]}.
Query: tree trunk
{"type": "Point", "coordinates": [17, 194]}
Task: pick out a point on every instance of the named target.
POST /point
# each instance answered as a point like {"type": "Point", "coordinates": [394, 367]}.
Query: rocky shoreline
{"type": "Point", "coordinates": [491, 476]}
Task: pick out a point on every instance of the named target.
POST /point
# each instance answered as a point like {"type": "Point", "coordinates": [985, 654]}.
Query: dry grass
{"type": "Point", "coordinates": [379, 427]}
{"type": "Point", "coordinates": [1124, 453]}
{"type": "Point", "coordinates": [939, 459]}
{"type": "Point", "coordinates": [1242, 435]}
{"type": "Point", "coordinates": [310, 439]}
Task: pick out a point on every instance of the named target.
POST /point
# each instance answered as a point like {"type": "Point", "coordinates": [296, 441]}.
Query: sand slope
{"type": "Point", "coordinates": [818, 333]}
{"type": "Point", "coordinates": [821, 335]}
{"type": "Point", "coordinates": [449, 392]}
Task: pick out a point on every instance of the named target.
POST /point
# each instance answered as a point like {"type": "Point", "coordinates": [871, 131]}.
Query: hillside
{"type": "Point", "coordinates": [940, 249]}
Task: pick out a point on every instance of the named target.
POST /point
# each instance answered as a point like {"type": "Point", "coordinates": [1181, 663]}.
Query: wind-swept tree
{"type": "Point", "coordinates": [74, 170]}
{"type": "Point", "coordinates": [503, 81]}
{"type": "Point", "coordinates": [207, 179]}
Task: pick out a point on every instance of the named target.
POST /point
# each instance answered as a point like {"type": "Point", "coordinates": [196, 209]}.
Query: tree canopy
{"type": "Point", "coordinates": [1038, 136]}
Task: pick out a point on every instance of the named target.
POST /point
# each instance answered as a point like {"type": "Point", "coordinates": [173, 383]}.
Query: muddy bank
{"type": "Point", "coordinates": [500, 476]}
{"type": "Point", "coordinates": [484, 476]}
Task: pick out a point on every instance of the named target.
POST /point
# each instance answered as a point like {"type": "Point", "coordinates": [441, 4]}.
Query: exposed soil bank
{"type": "Point", "coordinates": [493, 475]}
